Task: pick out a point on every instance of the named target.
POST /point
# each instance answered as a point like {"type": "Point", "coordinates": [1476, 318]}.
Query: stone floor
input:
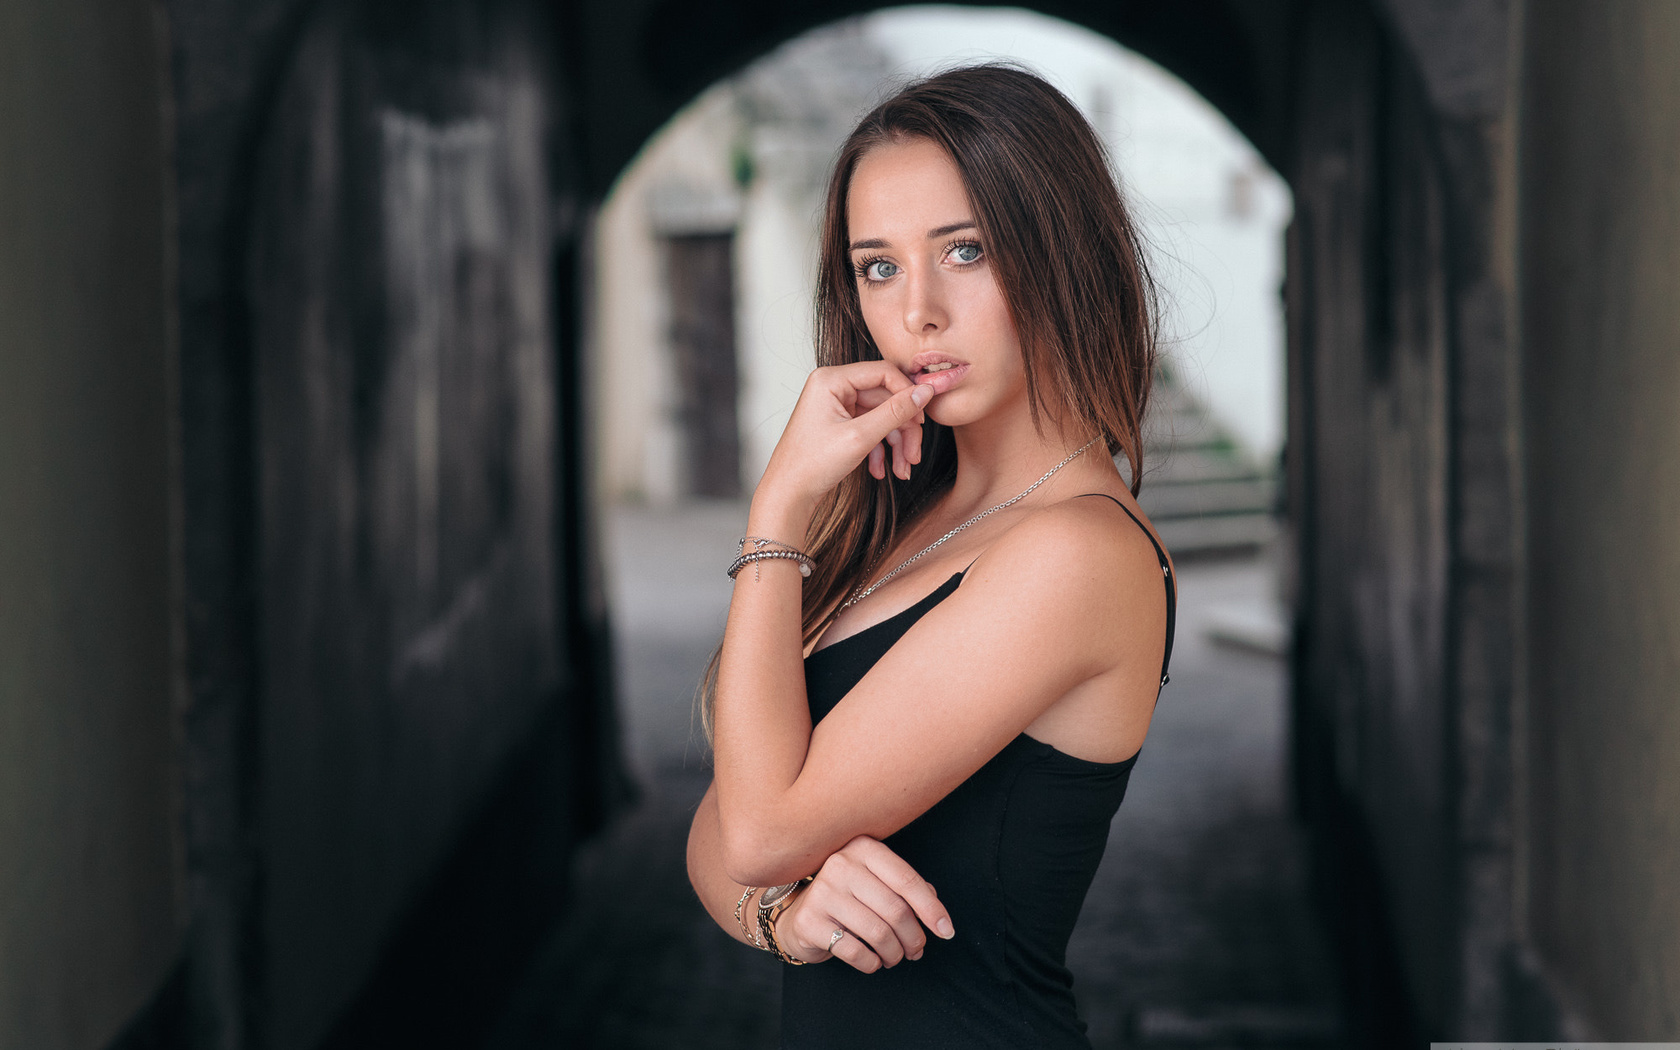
{"type": "Point", "coordinates": [1198, 931]}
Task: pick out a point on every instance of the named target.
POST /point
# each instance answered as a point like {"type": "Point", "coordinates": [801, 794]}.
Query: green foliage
{"type": "Point", "coordinates": [741, 164]}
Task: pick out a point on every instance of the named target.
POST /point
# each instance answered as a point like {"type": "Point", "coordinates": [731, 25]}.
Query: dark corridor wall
{"type": "Point", "coordinates": [405, 426]}
{"type": "Point", "coordinates": [1601, 323]}
{"type": "Point", "coordinates": [1370, 339]}
{"type": "Point", "coordinates": [397, 728]}
{"type": "Point", "coordinates": [91, 910]}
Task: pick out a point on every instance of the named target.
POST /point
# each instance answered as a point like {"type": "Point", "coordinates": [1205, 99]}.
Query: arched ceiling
{"type": "Point", "coordinates": [647, 58]}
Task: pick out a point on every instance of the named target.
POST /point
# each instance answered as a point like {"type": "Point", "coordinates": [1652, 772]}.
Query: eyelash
{"type": "Point", "coordinates": [863, 265]}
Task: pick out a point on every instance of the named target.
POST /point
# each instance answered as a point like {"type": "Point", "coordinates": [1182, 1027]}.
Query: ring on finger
{"type": "Point", "coordinates": [835, 939]}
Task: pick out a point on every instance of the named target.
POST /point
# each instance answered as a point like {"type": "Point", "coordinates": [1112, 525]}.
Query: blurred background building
{"type": "Point", "coordinates": [331, 393]}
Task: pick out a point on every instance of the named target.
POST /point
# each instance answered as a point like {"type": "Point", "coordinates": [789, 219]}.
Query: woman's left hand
{"type": "Point", "coordinates": [874, 901]}
{"type": "Point", "coordinates": [844, 414]}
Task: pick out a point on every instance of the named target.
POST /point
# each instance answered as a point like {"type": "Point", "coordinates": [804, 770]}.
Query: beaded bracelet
{"type": "Point", "coordinates": [805, 563]}
{"type": "Point", "coordinates": [765, 549]}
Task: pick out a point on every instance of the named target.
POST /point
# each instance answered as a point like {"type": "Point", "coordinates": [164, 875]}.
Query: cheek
{"type": "Point", "coordinates": [999, 322]}
{"type": "Point", "coordinates": [877, 318]}
{"type": "Point", "coordinates": [986, 304]}
{"type": "Point", "coordinates": [1006, 340]}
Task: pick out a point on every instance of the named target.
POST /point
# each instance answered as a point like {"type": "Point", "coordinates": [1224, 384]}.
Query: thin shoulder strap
{"type": "Point", "coordinates": [1166, 576]}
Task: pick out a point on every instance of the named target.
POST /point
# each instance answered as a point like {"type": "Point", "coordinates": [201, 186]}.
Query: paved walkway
{"type": "Point", "coordinates": [1197, 931]}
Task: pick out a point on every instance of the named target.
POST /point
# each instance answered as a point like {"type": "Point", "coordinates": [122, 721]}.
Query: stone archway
{"type": "Point", "coordinates": [1387, 119]}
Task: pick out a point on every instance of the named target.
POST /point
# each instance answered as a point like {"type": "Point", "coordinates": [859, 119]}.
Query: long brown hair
{"type": "Point", "coordinates": [1070, 265]}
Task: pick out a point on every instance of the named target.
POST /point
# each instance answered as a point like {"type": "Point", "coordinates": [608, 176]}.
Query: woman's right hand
{"type": "Point", "coordinates": [871, 895]}
{"type": "Point", "coordinates": [843, 415]}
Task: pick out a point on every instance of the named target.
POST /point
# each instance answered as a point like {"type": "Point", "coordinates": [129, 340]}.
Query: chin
{"type": "Point", "coordinates": [950, 415]}
{"type": "Point", "coordinates": [954, 409]}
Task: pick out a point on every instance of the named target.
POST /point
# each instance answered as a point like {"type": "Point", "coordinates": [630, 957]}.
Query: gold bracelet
{"type": "Point", "coordinates": [752, 938]}
{"type": "Point", "coordinates": [780, 898]}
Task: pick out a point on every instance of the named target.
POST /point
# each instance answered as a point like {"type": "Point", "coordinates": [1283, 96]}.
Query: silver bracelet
{"type": "Point", "coordinates": [805, 563]}
{"type": "Point", "coordinates": [764, 549]}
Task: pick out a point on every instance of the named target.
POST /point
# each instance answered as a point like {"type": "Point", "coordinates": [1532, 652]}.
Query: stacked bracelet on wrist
{"type": "Point", "coordinates": [771, 904]}
{"type": "Point", "coordinates": [764, 550]}
{"type": "Point", "coordinates": [752, 938]}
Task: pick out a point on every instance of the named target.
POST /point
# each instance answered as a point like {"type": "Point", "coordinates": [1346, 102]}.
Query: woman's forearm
{"type": "Point", "coordinates": [762, 726]}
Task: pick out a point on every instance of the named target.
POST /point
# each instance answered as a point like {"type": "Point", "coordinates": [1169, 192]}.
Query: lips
{"type": "Point", "coordinates": [937, 370]}
{"type": "Point", "coordinates": [941, 378]}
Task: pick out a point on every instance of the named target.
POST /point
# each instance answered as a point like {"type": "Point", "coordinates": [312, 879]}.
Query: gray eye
{"type": "Point", "coordinates": [880, 270]}
{"type": "Point", "coordinates": [966, 253]}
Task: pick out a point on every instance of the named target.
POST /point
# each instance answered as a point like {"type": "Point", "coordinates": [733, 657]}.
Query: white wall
{"type": "Point", "coordinates": [776, 264]}
{"type": "Point", "coordinates": [631, 373]}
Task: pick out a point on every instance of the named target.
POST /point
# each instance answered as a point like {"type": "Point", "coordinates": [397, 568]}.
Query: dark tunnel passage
{"type": "Point", "coordinates": [416, 531]}
{"type": "Point", "coordinates": [1200, 928]}
{"type": "Point", "coordinates": [318, 742]}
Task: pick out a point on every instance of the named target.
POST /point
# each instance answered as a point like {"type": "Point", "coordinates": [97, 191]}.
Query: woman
{"type": "Point", "coordinates": [940, 674]}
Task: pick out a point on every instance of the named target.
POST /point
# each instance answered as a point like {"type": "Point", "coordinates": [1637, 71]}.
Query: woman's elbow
{"type": "Point", "coordinates": [745, 856]}
{"type": "Point", "coordinates": [698, 854]}
{"type": "Point", "coordinates": [754, 855]}
{"type": "Point", "coordinates": [747, 851]}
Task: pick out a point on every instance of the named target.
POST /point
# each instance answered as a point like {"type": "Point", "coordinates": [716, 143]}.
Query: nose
{"type": "Point", "coordinates": [925, 311]}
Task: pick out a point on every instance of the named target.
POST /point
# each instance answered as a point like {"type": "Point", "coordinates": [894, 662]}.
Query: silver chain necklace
{"type": "Point", "coordinates": [858, 596]}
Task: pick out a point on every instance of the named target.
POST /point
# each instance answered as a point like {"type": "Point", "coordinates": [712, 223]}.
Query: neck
{"type": "Point", "coordinates": [997, 458]}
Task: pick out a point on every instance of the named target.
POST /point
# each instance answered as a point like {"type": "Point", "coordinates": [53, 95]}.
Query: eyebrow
{"type": "Point", "coordinates": [938, 231]}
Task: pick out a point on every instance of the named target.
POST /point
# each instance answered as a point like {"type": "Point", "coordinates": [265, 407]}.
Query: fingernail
{"type": "Point", "coordinates": [920, 394]}
{"type": "Point", "coordinates": [913, 958]}
{"type": "Point", "coordinates": [945, 929]}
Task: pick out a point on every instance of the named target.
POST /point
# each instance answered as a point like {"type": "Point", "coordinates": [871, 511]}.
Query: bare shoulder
{"type": "Point", "coordinates": [1085, 539]}
{"type": "Point", "coordinates": [1081, 568]}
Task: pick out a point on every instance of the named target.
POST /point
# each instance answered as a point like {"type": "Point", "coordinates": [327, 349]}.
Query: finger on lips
{"type": "Point", "coordinates": [863, 375]}
{"type": "Point", "coordinates": [896, 413]}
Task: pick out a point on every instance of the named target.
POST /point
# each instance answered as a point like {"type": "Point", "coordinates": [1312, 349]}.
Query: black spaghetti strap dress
{"type": "Point", "coordinates": [1012, 852]}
